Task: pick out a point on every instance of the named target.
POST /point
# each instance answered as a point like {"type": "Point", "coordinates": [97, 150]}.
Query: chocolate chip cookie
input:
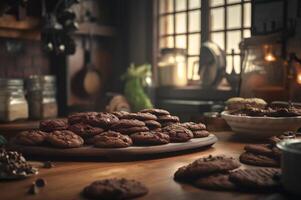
{"type": "Point", "coordinates": [258, 160]}
{"type": "Point", "coordinates": [31, 138]}
{"type": "Point", "coordinates": [152, 124]}
{"type": "Point", "coordinates": [126, 123]}
{"type": "Point", "coordinates": [140, 116]}
{"type": "Point", "coordinates": [64, 139]}
{"type": "Point", "coordinates": [120, 114]}
{"type": "Point", "coordinates": [85, 130]}
{"type": "Point", "coordinates": [116, 188]}
{"type": "Point", "coordinates": [259, 178]}
{"type": "Point", "coordinates": [131, 130]}
{"type": "Point", "coordinates": [149, 138]}
{"type": "Point", "coordinates": [262, 149]}
{"type": "Point", "coordinates": [205, 166]}
{"type": "Point", "coordinates": [286, 135]}
{"type": "Point", "coordinates": [157, 112]}
{"type": "Point", "coordinates": [200, 134]}
{"type": "Point", "coordinates": [102, 119]}
{"type": "Point", "coordinates": [168, 119]}
{"type": "Point", "coordinates": [194, 126]}
{"type": "Point", "coordinates": [177, 133]}
{"type": "Point", "coordinates": [53, 125]}
{"type": "Point", "coordinates": [112, 139]}
{"type": "Point", "coordinates": [217, 181]}
{"type": "Point", "coordinates": [80, 117]}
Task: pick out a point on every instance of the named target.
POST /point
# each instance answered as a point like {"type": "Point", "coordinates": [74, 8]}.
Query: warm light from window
{"type": "Point", "coordinates": [270, 57]}
{"type": "Point", "coordinates": [299, 78]}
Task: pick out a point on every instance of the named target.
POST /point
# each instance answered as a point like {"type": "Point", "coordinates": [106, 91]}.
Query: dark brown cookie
{"type": "Point", "coordinates": [120, 114]}
{"type": "Point", "coordinates": [152, 124]}
{"type": "Point", "coordinates": [194, 126]}
{"type": "Point", "coordinates": [168, 118]}
{"type": "Point", "coordinates": [112, 139]}
{"type": "Point", "coordinates": [31, 138]}
{"type": "Point", "coordinates": [115, 189]}
{"type": "Point", "coordinates": [140, 116]}
{"type": "Point", "coordinates": [149, 138]}
{"type": "Point", "coordinates": [157, 112]}
{"type": "Point", "coordinates": [200, 134]}
{"type": "Point", "coordinates": [53, 125]}
{"type": "Point", "coordinates": [215, 182]}
{"type": "Point", "coordinates": [258, 160]}
{"type": "Point", "coordinates": [177, 133]}
{"type": "Point", "coordinates": [167, 124]}
{"type": "Point", "coordinates": [126, 123]}
{"type": "Point", "coordinates": [259, 178]}
{"type": "Point", "coordinates": [102, 119]}
{"type": "Point", "coordinates": [262, 149]}
{"type": "Point", "coordinates": [85, 130]}
{"type": "Point", "coordinates": [205, 166]}
{"type": "Point", "coordinates": [79, 117]}
{"type": "Point", "coordinates": [131, 130]}
{"type": "Point", "coordinates": [286, 135]}
{"type": "Point", "coordinates": [65, 139]}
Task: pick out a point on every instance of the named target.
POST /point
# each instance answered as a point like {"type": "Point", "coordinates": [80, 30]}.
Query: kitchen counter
{"type": "Point", "coordinates": [66, 180]}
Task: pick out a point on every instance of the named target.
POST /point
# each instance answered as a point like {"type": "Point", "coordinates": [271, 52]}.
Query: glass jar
{"type": "Point", "coordinates": [13, 105]}
{"type": "Point", "coordinates": [41, 95]}
{"type": "Point", "coordinates": [172, 70]}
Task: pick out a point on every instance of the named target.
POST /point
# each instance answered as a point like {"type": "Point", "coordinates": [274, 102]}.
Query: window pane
{"type": "Point", "coordinates": [180, 5]}
{"type": "Point", "coordinates": [166, 42]}
{"type": "Point", "coordinates": [217, 18]}
{"type": "Point", "coordinates": [194, 3]}
{"type": "Point", "coordinates": [217, 2]}
{"type": "Point", "coordinates": [218, 38]}
{"type": "Point", "coordinates": [247, 33]}
{"type": "Point", "coordinates": [181, 23]}
{"type": "Point", "coordinates": [166, 25]}
{"type": "Point", "coordinates": [181, 41]}
{"type": "Point", "coordinates": [233, 40]}
{"type": "Point", "coordinates": [234, 16]}
{"type": "Point", "coordinates": [166, 6]}
{"type": "Point", "coordinates": [230, 64]}
{"type": "Point", "coordinates": [194, 44]}
{"type": "Point", "coordinates": [247, 15]}
{"type": "Point", "coordinates": [194, 20]}
{"type": "Point", "coordinates": [192, 68]}
{"type": "Point", "coordinates": [233, 1]}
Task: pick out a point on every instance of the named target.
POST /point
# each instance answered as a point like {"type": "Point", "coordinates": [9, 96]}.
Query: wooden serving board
{"type": "Point", "coordinates": [90, 151]}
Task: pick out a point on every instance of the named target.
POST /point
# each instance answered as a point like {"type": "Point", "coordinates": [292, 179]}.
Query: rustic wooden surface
{"type": "Point", "coordinates": [66, 180]}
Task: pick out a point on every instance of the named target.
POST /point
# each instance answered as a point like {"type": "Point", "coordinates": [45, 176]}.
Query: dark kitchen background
{"type": "Point", "coordinates": [116, 33]}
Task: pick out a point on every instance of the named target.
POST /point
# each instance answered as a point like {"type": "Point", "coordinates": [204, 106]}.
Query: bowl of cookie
{"type": "Point", "coordinates": [253, 117]}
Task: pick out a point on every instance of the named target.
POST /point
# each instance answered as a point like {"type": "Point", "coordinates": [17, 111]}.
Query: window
{"type": "Point", "coordinates": [181, 26]}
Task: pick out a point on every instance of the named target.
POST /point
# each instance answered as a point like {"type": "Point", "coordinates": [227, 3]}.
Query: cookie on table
{"type": "Point", "coordinates": [131, 130]}
{"type": "Point", "coordinates": [112, 139]}
{"type": "Point", "coordinates": [168, 119]}
{"type": "Point", "coordinates": [152, 124]}
{"type": "Point", "coordinates": [155, 111]}
{"type": "Point", "coordinates": [259, 178]}
{"type": "Point", "coordinates": [194, 126]}
{"type": "Point", "coordinates": [258, 160]}
{"type": "Point", "coordinates": [177, 133]}
{"type": "Point", "coordinates": [205, 166]}
{"type": "Point", "coordinates": [126, 123]}
{"type": "Point", "coordinates": [85, 130]}
{"type": "Point", "coordinates": [31, 138]}
{"type": "Point", "coordinates": [65, 139]}
{"type": "Point", "coordinates": [120, 114]}
{"type": "Point", "coordinates": [50, 125]}
{"type": "Point", "coordinates": [286, 135]}
{"type": "Point", "coordinates": [216, 181]}
{"type": "Point", "coordinates": [79, 117]}
{"type": "Point", "coordinates": [200, 134]}
{"type": "Point", "coordinates": [115, 189]}
{"type": "Point", "coordinates": [102, 119]}
{"type": "Point", "coordinates": [149, 138]}
{"type": "Point", "coordinates": [140, 116]}
{"type": "Point", "coordinates": [262, 149]}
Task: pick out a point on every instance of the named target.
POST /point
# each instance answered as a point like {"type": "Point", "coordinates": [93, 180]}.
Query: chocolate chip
{"type": "Point", "coordinates": [40, 182]}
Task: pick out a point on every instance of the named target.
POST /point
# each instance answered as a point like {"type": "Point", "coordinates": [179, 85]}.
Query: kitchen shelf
{"type": "Point", "coordinates": [10, 27]}
{"type": "Point", "coordinates": [96, 30]}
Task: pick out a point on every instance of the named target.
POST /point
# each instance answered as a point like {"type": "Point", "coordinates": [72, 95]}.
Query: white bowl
{"type": "Point", "coordinates": [261, 127]}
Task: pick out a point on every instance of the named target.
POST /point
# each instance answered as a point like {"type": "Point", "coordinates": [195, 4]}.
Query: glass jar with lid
{"type": "Point", "coordinates": [13, 105]}
{"type": "Point", "coordinates": [172, 67]}
{"type": "Point", "coordinates": [41, 95]}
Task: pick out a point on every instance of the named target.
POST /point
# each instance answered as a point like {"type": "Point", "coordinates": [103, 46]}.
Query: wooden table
{"type": "Point", "coordinates": [66, 180]}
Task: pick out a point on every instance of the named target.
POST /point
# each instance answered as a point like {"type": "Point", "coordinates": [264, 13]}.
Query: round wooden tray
{"type": "Point", "coordinates": [89, 151]}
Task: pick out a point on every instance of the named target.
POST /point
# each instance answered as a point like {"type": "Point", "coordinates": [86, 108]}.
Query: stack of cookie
{"type": "Point", "coordinates": [265, 155]}
{"type": "Point", "coordinates": [198, 129]}
{"type": "Point", "coordinates": [163, 116]}
{"type": "Point", "coordinates": [221, 173]}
